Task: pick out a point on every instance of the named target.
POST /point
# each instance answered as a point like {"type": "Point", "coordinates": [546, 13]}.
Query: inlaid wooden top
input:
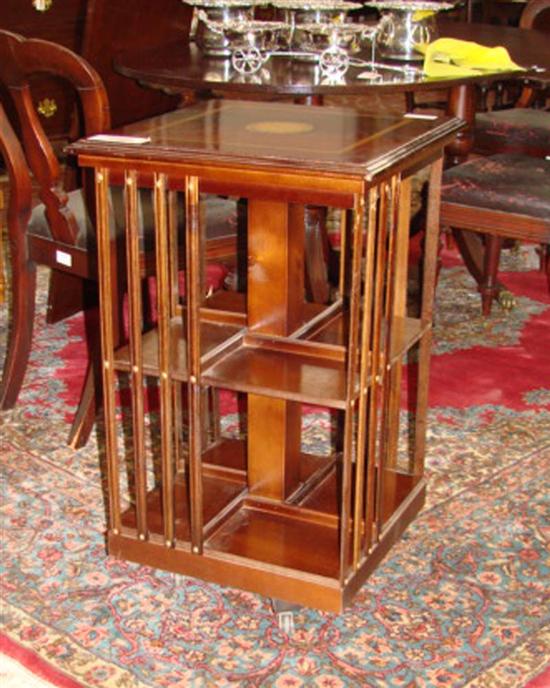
{"type": "Point", "coordinates": [277, 135]}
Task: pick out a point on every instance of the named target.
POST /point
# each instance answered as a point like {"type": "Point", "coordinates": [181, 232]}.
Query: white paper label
{"type": "Point", "coordinates": [115, 138]}
{"type": "Point", "coordinates": [63, 258]}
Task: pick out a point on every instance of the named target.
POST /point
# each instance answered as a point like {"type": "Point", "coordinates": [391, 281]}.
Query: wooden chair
{"type": "Point", "coordinates": [503, 196]}
{"type": "Point", "coordinates": [521, 128]}
{"type": "Point", "coordinates": [60, 232]}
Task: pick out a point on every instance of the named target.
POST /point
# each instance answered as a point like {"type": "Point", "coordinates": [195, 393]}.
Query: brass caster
{"type": "Point", "coordinates": [285, 615]}
{"type": "Point", "coordinates": [506, 300]}
{"type": "Point", "coordinates": [285, 621]}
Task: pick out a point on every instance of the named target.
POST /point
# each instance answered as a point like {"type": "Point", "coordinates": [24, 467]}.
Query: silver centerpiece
{"type": "Point", "coordinates": [315, 38]}
{"type": "Point", "coordinates": [297, 13]}
{"type": "Point", "coordinates": [406, 24]}
{"type": "Point", "coordinates": [313, 11]}
{"type": "Point", "coordinates": [265, 36]}
{"type": "Point", "coordinates": [211, 41]}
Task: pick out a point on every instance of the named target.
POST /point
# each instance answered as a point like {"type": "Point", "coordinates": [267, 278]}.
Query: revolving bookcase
{"type": "Point", "coordinates": [257, 508]}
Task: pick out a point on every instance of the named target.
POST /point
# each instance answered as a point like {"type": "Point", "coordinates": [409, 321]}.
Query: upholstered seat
{"type": "Point", "coordinates": [507, 183]}
{"type": "Point", "coordinates": [519, 130]}
{"type": "Point", "coordinates": [502, 197]}
{"type": "Point", "coordinates": [220, 215]}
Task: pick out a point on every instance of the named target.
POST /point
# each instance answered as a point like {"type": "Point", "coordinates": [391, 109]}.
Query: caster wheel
{"type": "Point", "coordinates": [247, 61]}
{"type": "Point", "coordinates": [334, 62]}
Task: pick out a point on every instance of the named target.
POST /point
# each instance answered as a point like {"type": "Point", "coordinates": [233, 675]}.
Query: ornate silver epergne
{"type": "Point", "coordinates": [406, 24]}
{"type": "Point", "coordinates": [211, 13]}
{"type": "Point", "coordinates": [310, 30]}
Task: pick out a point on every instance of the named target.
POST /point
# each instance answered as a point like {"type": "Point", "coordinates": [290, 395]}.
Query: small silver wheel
{"type": "Point", "coordinates": [247, 60]}
{"type": "Point", "coordinates": [334, 62]}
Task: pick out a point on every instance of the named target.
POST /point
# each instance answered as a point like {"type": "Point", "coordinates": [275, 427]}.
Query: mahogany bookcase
{"type": "Point", "coordinates": [254, 509]}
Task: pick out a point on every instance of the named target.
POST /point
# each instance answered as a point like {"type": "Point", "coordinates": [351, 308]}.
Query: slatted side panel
{"type": "Point", "coordinates": [377, 302]}
{"type": "Point", "coordinates": [385, 376]}
{"type": "Point", "coordinates": [364, 473]}
{"type": "Point", "coordinates": [353, 284]}
{"type": "Point", "coordinates": [148, 475]}
{"type": "Point", "coordinates": [381, 243]}
{"type": "Point", "coordinates": [428, 292]}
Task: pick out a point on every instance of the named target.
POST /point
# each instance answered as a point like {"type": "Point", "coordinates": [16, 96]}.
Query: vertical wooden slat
{"type": "Point", "coordinates": [428, 291]}
{"type": "Point", "coordinates": [107, 281]}
{"type": "Point", "coordinates": [135, 347]}
{"type": "Point", "coordinates": [386, 427]}
{"type": "Point", "coordinates": [194, 298]}
{"type": "Point", "coordinates": [164, 310]}
{"type": "Point", "coordinates": [371, 519]}
{"type": "Point", "coordinates": [175, 244]}
{"type": "Point", "coordinates": [399, 309]}
{"type": "Point", "coordinates": [364, 468]}
{"type": "Point", "coordinates": [352, 360]}
{"type": "Point", "coordinates": [344, 221]}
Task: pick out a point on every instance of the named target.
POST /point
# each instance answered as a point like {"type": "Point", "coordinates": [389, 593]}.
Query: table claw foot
{"type": "Point", "coordinates": [506, 300]}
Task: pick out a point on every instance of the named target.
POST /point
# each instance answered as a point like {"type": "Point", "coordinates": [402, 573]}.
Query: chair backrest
{"type": "Point", "coordinates": [536, 15]}
{"type": "Point", "coordinates": [20, 60]}
{"type": "Point", "coordinates": [20, 196]}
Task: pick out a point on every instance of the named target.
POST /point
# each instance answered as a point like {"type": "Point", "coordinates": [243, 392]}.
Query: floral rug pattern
{"type": "Point", "coordinates": [461, 600]}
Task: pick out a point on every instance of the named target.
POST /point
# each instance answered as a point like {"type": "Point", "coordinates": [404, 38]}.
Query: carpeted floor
{"type": "Point", "coordinates": [462, 600]}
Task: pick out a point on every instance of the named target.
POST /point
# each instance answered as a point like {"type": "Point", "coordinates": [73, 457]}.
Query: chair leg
{"type": "Point", "coordinates": [316, 251]}
{"type": "Point", "coordinates": [90, 396]}
{"type": "Point", "coordinates": [489, 287]}
{"type": "Point", "coordinates": [92, 390]}
{"type": "Point", "coordinates": [23, 281]}
{"type": "Point", "coordinates": [86, 413]}
{"type": "Point", "coordinates": [65, 296]}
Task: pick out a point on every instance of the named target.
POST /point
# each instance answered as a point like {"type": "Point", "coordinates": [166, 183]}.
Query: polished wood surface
{"type": "Point", "coordinates": [261, 513]}
{"type": "Point", "coordinates": [175, 67]}
{"type": "Point", "coordinates": [331, 142]}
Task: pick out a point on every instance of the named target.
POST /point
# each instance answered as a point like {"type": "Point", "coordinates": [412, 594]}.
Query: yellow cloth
{"type": "Point", "coordinates": [420, 15]}
{"type": "Point", "coordinates": [450, 57]}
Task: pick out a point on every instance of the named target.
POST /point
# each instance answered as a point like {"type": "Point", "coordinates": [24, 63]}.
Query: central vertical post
{"type": "Point", "coordinates": [275, 307]}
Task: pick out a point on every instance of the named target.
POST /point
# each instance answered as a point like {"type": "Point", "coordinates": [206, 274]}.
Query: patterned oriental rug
{"type": "Point", "coordinates": [462, 599]}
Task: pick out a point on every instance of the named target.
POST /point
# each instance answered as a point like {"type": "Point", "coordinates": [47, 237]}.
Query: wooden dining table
{"type": "Point", "coordinates": [180, 67]}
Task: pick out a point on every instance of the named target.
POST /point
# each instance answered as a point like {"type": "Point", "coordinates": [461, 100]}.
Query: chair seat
{"type": "Point", "coordinates": [508, 183]}
{"type": "Point", "coordinates": [219, 213]}
{"type": "Point", "coordinates": [521, 130]}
